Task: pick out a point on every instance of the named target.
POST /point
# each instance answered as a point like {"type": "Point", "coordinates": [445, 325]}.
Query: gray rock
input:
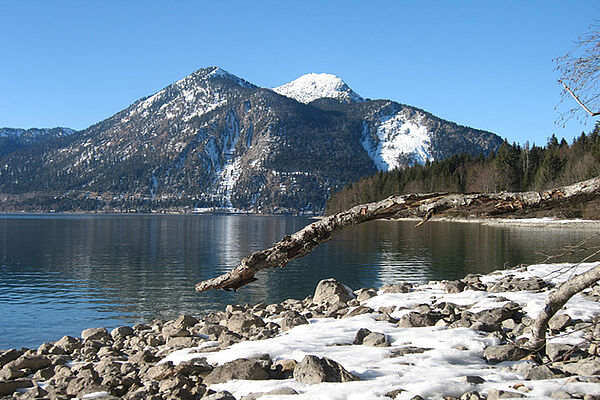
{"type": "Point", "coordinates": [240, 322]}
{"type": "Point", "coordinates": [415, 320]}
{"type": "Point", "coordinates": [36, 393]}
{"type": "Point", "coordinates": [359, 311]}
{"type": "Point", "coordinates": [227, 338]}
{"type": "Point", "coordinates": [509, 324]}
{"type": "Point", "coordinates": [505, 352]}
{"type": "Point", "coordinates": [108, 367]}
{"type": "Point", "coordinates": [485, 327]}
{"type": "Point", "coordinates": [171, 385]}
{"type": "Point", "coordinates": [559, 394]}
{"type": "Point", "coordinates": [183, 342]}
{"type": "Point", "coordinates": [7, 373]}
{"type": "Point", "coordinates": [143, 356]}
{"type": "Point", "coordinates": [394, 393]}
{"type": "Point", "coordinates": [69, 344]}
{"type": "Point", "coordinates": [81, 386]}
{"type": "Point", "coordinates": [9, 387]}
{"type": "Point", "coordinates": [313, 369]}
{"type": "Point", "coordinates": [94, 334]}
{"type": "Point", "coordinates": [170, 331]}
{"type": "Point", "coordinates": [408, 350]}
{"type": "Point", "coordinates": [285, 368]}
{"type": "Point", "coordinates": [185, 321]}
{"type": "Point", "coordinates": [161, 371]}
{"type": "Point", "coordinates": [493, 316]}
{"type": "Point", "coordinates": [453, 286]}
{"type": "Point", "coordinates": [402, 287]}
{"type": "Point", "coordinates": [463, 322]}
{"type": "Point", "coordinates": [330, 291]}
{"type": "Point", "coordinates": [8, 356]}
{"type": "Point", "coordinates": [213, 331]}
{"type": "Point", "coordinates": [376, 339]}
{"type": "Point", "coordinates": [556, 351]}
{"type": "Point", "coordinates": [291, 319]}
{"type": "Point", "coordinates": [364, 295]}
{"type": "Point", "coordinates": [32, 363]}
{"type": "Point", "coordinates": [474, 379]}
{"type": "Point", "coordinates": [121, 332]}
{"type": "Point", "coordinates": [559, 322]}
{"type": "Point", "coordinates": [537, 372]}
{"type": "Point", "coordinates": [386, 317]}
{"type": "Point", "coordinates": [360, 335]}
{"type": "Point", "coordinates": [242, 368]}
{"type": "Point", "coordinates": [141, 327]}
{"type": "Point", "coordinates": [282, 391]}
{"type": "Point", "coordinates": [219, 396]}
{"type": "Point", "coordinates": [473, 395]}
{"type": "Point", "coordinates": [586, 367]}
{"type": "Point", "coordinates": [44, 374]}
{"type": "Point", "coordinates": [194, 367]}
{"type": "Point", "coordinates": [494, 394]}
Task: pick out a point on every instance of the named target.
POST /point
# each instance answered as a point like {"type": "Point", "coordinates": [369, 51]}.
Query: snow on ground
{"type": "Point", "coordinates": [454, 353]}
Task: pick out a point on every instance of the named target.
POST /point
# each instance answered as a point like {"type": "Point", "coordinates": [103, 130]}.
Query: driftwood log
{"type": "Point", "coordinates": [422, 205]}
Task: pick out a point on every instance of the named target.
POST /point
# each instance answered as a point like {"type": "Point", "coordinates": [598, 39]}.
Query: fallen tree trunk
{"type": "Point", "coordinates": [423, 205]}
{"type": "Point", "coordinates": [555, 301]}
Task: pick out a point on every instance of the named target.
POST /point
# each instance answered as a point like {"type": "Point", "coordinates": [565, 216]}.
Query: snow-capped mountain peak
{"type": "Point", "coordinates": [313, 86]}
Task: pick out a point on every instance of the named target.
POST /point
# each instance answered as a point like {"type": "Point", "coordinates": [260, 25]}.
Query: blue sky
{"type": "Point", "coordinates": [486, 64]}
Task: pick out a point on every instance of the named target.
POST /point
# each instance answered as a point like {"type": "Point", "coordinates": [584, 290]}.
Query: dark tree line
{"type": "Point", "coordinates": [512, 167]}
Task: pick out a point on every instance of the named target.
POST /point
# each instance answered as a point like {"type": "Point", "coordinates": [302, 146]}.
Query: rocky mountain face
{"type": "Point", "coordinates": [215, 141]}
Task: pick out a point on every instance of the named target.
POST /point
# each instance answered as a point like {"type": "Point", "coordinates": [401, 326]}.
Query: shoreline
{"type": "Point", "coordinates": [546, 222]}
{"type": "Point", "coordinates": [442, 339]}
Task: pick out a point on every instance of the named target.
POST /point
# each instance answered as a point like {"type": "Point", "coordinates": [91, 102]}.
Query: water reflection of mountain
{"type": "Point", "coordinates": [67, 273]}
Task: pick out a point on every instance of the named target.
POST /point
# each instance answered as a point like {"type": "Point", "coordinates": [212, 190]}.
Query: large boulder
{"type": "Point", "coordinates": [587, 367]}
{"type": "Point", "coordinates": [416, 320]}
{"type": "Point", "coordinates": [121, 332]}
{"type": "Point", "coordinates": [256, 368]}
{"type": "Point", "coordinates": [243, 321]}
{"type": "Point", "coordinates": [9, 387]}
{"type": "Point", "coordinates": [32, 363]}
{"type": "Point", "coordinates": [313, 369]}
{"type": "Point", "coordinates": [291, 319]}
{"type": "Point", "coordinates": [330, 291]}
{"type": "Point", "coordinates": [368, 338]}
{"type": "Point", "coordinates": [94, 334]}
{"type": "Point", "coordinates": [505, 352]}
{"type": "Point", "coordinates": [8, 356]}
{"type": "Point", "coordinates": [69, 344]}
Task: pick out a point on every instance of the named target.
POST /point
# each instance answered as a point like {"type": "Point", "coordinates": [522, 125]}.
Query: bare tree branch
{"type": "Point", "coordinates": [307, 239]}
{"type": "Point", "coordinates": [579, 71]}
{"type": "Point", "coordinates": [559, 298]}
{"type": "Point", "coordinates": [592, 114]}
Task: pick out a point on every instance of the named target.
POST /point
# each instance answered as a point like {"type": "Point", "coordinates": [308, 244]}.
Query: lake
{"type": "Point", "coordinates": [60, 274]}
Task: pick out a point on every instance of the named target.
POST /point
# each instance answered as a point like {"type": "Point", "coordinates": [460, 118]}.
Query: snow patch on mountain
{"type": "Point", "coordinates": [313, 86]}
{"type": "Point", "coordinates": [397, 142]}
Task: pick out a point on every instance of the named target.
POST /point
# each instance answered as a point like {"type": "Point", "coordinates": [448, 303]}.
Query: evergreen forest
{"type": "Point", "coordinates": [511, 167]}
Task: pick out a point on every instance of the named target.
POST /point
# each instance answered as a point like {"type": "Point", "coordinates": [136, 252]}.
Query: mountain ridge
{"type": "Point", "coordinates": [212, 140]}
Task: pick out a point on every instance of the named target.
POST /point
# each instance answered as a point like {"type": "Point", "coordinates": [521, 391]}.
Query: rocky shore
{"type": "Point", "coordinates": [451, 339]}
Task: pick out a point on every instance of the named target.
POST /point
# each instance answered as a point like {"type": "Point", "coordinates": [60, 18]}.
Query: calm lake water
{"type": "Point", "coordinates": [62, 274]}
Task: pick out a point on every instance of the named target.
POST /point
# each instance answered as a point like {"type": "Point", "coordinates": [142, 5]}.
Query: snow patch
{"type": "Point", "coordinates": [399, 142]}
